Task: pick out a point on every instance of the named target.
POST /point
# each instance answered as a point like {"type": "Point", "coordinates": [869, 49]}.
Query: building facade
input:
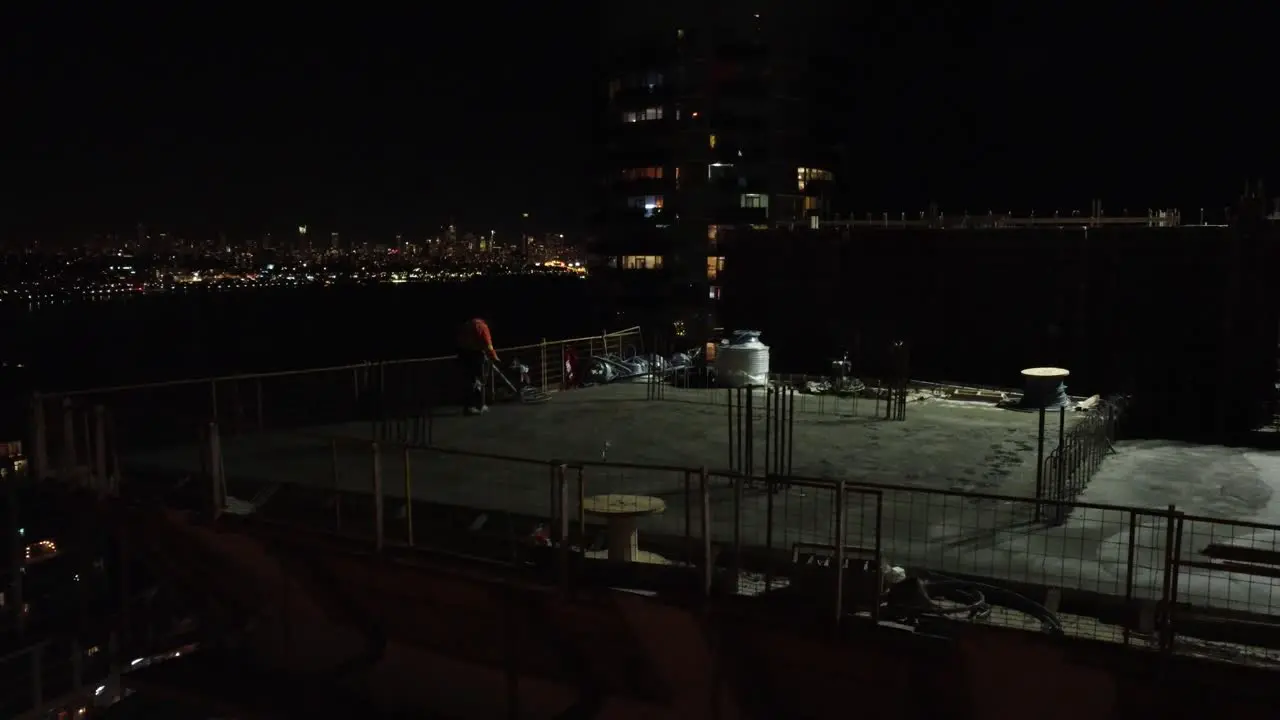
{"type": "Point", "coordinates": [708, 119]}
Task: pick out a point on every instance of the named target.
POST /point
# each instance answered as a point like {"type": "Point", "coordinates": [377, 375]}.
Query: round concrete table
{"type": "Point", "coordinates": [1046, 373]}
{"type": "Point", "coordinates": [620, 513]}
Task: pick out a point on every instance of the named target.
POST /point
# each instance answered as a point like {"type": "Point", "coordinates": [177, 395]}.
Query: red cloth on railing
{"type": "Point", "coordinates": [569, 359]}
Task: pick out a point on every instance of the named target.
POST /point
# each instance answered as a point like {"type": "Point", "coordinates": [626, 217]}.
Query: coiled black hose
{"type": "Point", "coordinates": [978, 597]}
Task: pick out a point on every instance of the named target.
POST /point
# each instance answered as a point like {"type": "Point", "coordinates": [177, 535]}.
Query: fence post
{"type": "Point", "coordinates": [705, 490]}
{"type": "Point", "coordinates": [1176, 562]}
{"type": "Point", "coordinates": [377, 497]}
{"type": "Point", "coordinates": [17, 544]}
{"type": "Point", "coordinates": [77, 665]}
{"type": "Point", "coordinates": [688, 516]}
{"type": "Point", "coordinates": [582, 502]}
{"type": "Point", "coordinates": [100, 449]}
{"type": "Point", "coordinates": [1062, 454]}
{"type": "Point", "coordinates": [1040, 469]}
{"type": "Point", "coordinates": [770, 482]}
{"type": "Point", "coordinates": [37, 676]}
{"type": "Point", "coordinates": [840, 533]}
{"type": "Point", "coordinates": [1131, 555]}
{"type": "Point", "coordinates": [69, 459]}
{"type": "Point", "coordinates": [40, 437]}
{"type": "Point", "coordinates": [562, 486]}
{"type": "Point", "coordinates": [543, 352]}
{"type": "Point", "coordinates": [511, 656]}
{"type": "Point", "coordinates": [408, 497]}
{"type": "Point", "coordinates": [261, 421]}
{"type": "Point", "coordinates": [1167, 585]}
{"type": "Point", "coordinates": [736, 568]}
{"type": "Point", "coordinates": [337, 491]}
{"type": "Point", "coordinates": [217, 497]}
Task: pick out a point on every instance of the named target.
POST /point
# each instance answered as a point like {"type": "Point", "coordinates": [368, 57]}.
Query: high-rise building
{"type": "Point", "coordinates": [706, 121]}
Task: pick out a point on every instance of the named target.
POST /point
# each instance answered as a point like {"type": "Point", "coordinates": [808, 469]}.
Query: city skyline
{"type": "Point", "coordinates": [417, 119]}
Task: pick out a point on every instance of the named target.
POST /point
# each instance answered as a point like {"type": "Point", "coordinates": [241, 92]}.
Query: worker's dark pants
{"type": "Point", "coordinates": [472, 364]}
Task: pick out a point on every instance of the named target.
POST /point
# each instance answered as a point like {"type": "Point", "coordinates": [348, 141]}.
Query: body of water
{"type": "Point", "coordinates": [80, 344]}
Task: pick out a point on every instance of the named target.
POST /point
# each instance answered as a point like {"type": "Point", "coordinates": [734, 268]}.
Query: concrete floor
{"type": "Point", "coordinates": [944, 446]}
{"type": "Point", "coordinates": [1229, 498]}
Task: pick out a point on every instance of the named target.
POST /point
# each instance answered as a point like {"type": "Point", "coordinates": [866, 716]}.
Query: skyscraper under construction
{"type": "Point", "coordinates": [707, 120]}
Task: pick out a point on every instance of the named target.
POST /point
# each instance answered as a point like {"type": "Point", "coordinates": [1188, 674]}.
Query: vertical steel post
{"type": "Point", "coordinates": [562, 483]}
{"type": "Point", "coordinates": [840, 533]}
{"type": "Point", "coordinates": [69, 455]}
{"type": "Point", "coordinates": [218, 500]}
{"type": "Point", "coordinates": [768, 420]}
{"type": "Point", "coordinates": [17, 548]}
{"type": "Point", "coordinates": [582, 502]}
{"type": "Point", "coordinates": [377, 497]}
{"type": "Point", "coordinates": [688, 517]}
{"type": "Point", "coordinates": [77, 665]}
{"type": "Point", "coordinates": [258, 392]}
{"type": "Point", "coordinates": [770, 483]}
{"type": "Point", "coordinates": [408, 497]}
{"type": "Point", "coordinates": [729, 414]}
{"type": "Point", "coordinates": [1040, 469]}
{"type": "Point", "coordinates": [511, 631]}
{"type": "Point", "coordinates": [100, 482]}
{"type": "Point", "coordinates": [337, 483]}
{"type": "Point", "coordinates": [1176, 565]}
{"type": "Point", "coordinates": [40, 438]}
{"type": "Point", "coordinates": [1130, 557]}
{"type": "Point", "coordinates": [1167, 586]}
{"type": "Point", "coordinates": [791, 426]}
{"type": "Point", "coordinates": [1067, 486]}
{"type": "Point", "coordinates": [875, 605]}
{"type": "Point", "coordinates": [542, 351]}
{"type": "Point", "coordinates": [705, 491]}
{"type": "Point", "coordinates": [553, 501]}
{"type": "Point", "coordinates": [736, 570]}
{"type": "Point", "coordinates": [37, 677]}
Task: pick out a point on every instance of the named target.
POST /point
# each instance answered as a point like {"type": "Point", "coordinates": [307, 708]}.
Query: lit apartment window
{"type": "Point", "coordinates": [752, 200]}
{"type": "Point", "coordinates": [653, 113]}
{"type": "Point", "coordinates": [806, 175]}
{"type": "Point", "coordinates": [649, 203]}
{"type": "Point", "coordinates": [641, 262]}
{"type": "Point", "coordinates": [644, 173]}
{"type": "Point", "coordinates": [713, 236]}
{"type": "Point", "coordinates": [714, 294]}
{"type": "Point", "coordinates": [677, 177]}
{"type": "Point", "coordinates": [715, 266]}
{"type": "Point", "coordinates": [711, 141]}
{"type": "Point", "coordinates": [719, 171]}
{"type": "Point", "coordinates": [812, 203]}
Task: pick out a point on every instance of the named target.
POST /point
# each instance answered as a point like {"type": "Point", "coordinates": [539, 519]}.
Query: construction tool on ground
{"type": "Point", "coordinates": [526, 393]}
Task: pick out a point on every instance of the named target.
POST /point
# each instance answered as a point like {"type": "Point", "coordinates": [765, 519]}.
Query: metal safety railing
{"type": "Point", "coordinates": [1079, 454]}
{"type": "Point", "coordinates": [51, 678]}
{"type": "Point", "coordinates": [1153, 578]}
{"type": "Point", "coordinates": [84, 431]}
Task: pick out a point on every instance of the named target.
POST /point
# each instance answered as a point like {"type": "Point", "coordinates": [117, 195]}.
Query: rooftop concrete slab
{"type": "Point", "coordinates": [943, 448]}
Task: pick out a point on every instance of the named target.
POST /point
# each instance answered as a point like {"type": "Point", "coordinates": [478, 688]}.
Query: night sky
{"type": "Point", "coordinates": [479, 112]}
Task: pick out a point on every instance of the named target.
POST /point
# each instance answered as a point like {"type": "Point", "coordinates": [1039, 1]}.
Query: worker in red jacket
{"type": "Point", "coordinates": [475, 347]}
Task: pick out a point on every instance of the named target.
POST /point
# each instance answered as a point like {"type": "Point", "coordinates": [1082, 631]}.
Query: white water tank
{"type": "Point", "coordinates": [744, 362]}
